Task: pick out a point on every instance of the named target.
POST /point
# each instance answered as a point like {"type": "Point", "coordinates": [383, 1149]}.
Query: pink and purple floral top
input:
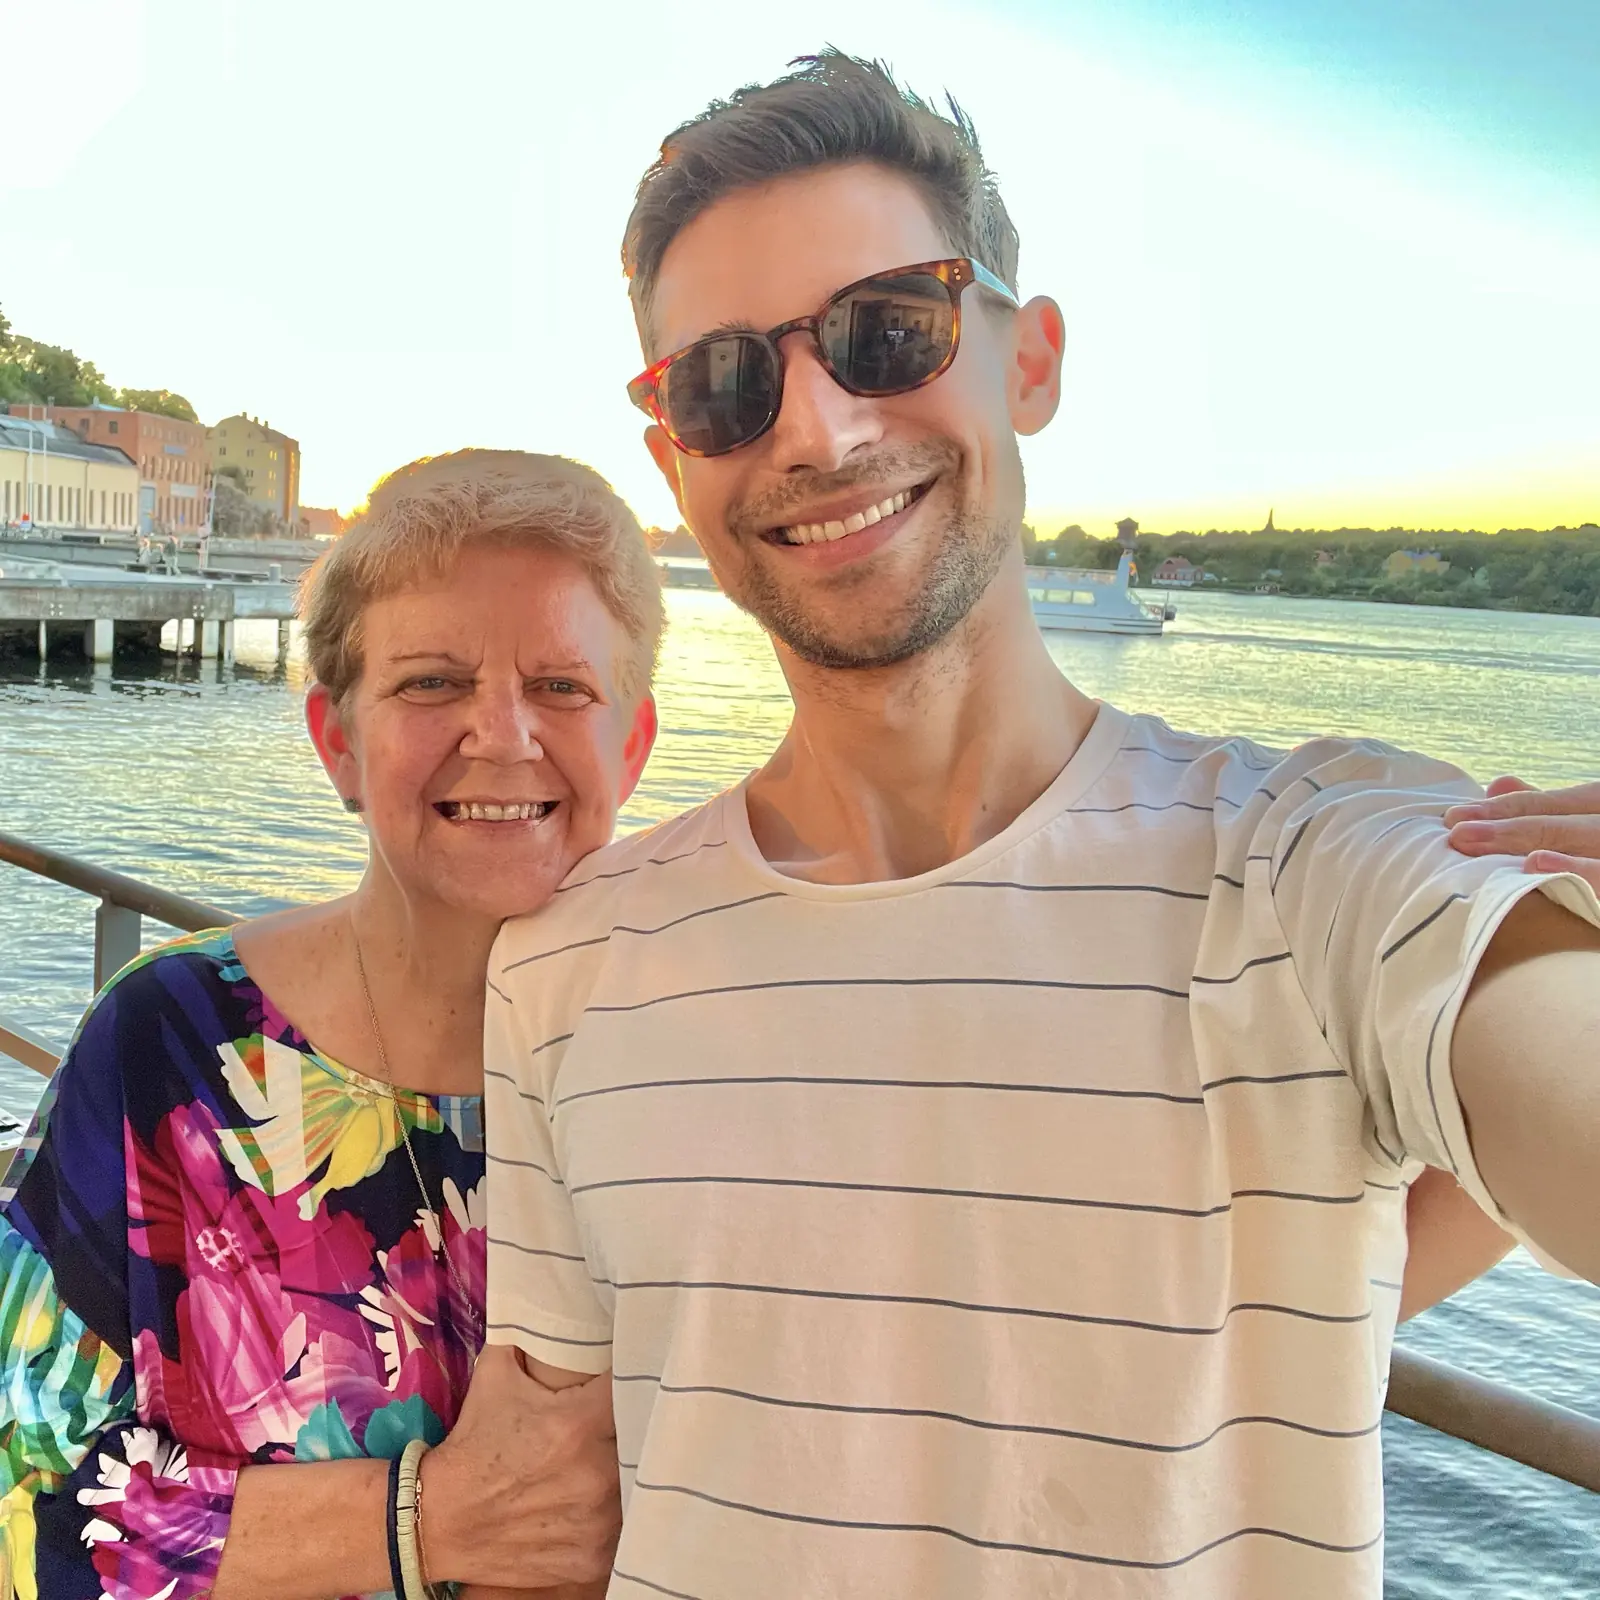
{"type": "Point", "coordinates": [212, 1254]}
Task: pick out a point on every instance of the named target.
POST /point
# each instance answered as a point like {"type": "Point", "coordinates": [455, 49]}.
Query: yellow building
{"type": "Point", "coordinates": [52, 480]}
{"type": "Point", "coordinates": [268, 460]}
{"type": "Point", "coordinates": [1404, 562]}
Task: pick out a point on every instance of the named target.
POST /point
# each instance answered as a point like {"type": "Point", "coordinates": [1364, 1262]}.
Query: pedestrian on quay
{"type": "Point", "coordinates": [242, 1248]}
{"type": "Point", "coordinates": [978, 1143]}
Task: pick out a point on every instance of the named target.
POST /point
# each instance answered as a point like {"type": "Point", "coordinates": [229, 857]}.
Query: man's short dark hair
{"type": "Point", "coordinates": [832, 110]}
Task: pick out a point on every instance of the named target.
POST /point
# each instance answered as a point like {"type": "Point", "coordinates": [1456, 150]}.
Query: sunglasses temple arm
{"type": "Point", "coordinates": [990, 281]}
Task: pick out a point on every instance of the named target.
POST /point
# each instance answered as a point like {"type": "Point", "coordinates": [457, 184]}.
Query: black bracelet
{"type": "Point", "coordinates": [397, 1578]}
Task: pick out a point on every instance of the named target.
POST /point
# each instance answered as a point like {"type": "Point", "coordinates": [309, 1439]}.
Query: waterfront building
{"type": "Point", "coordinates": [172, 457]}
{"type": "Point", "coordinates": [268, 460]}
{"type": "Point", "coordinates": [51, 478]}
{"type": "Point", "coordinates": [321, 522]}
{"type": "Point", "coordinates": [1404, 562]}
{"type": "Point", "coordinates": [1177, 572]}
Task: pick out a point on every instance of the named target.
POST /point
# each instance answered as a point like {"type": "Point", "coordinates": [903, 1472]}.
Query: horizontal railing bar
{"type": "Point", "coordinates": [23, 1045]}
{"type": "Point", "coordinates": [1538, 1433]}
{"type": "Point", "coordinates": [176, 910]}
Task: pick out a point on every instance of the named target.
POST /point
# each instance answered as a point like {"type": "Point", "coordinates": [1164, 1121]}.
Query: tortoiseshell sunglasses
{"type": "Point", "coordinates": [887, 334]}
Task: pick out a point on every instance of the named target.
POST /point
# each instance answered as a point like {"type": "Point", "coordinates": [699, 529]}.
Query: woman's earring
{"type": "Point", "coordinates": [350, 803]}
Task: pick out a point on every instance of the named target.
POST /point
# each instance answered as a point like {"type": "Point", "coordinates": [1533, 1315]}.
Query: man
{"type": "Point", "coordinates": [978, 1142]}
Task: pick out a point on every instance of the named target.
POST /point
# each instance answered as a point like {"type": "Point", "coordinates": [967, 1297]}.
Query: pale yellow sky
{"type": "Point", "coordinates": [392, 230]}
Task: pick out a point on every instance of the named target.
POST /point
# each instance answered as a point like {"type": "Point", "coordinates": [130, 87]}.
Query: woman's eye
{"type": "Point", "coordinates": [564, 688]}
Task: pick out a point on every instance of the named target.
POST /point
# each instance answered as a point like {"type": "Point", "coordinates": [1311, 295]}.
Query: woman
{"type": "Point", "coordinates": [241, 1261]}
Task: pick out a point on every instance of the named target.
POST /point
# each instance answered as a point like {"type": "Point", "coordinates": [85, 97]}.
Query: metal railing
{"type": "Point", "coordinates": [118, 927]}
{"type": "Point", "coordinates": [1540, 1434]}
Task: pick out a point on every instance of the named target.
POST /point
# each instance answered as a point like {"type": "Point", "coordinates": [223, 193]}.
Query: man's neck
{"type": "Point", "coordinates": [896, 771]}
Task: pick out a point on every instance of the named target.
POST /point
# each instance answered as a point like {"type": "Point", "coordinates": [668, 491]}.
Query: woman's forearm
{"type": "Point", "coordinates": [310, 1530]}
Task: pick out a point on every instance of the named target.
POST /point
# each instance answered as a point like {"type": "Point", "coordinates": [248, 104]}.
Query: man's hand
{"type": "Point", "coordinates": [1555, 830]}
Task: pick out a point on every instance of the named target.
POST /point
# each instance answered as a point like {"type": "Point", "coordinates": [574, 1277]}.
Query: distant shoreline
{"type": "Point", "coordinates": [1418, 602]}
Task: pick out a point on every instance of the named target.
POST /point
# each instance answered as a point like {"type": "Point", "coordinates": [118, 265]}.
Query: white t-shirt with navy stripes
{"type": "Point", "coordinates": [1029, 1228]}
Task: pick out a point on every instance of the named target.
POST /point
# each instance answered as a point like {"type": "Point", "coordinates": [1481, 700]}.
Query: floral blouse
{"type": "Point", "coordinates": [213, 1253]}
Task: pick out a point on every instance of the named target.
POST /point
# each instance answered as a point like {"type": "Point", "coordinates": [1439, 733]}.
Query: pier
{"type": "Point", "coordinates": [48, 606]}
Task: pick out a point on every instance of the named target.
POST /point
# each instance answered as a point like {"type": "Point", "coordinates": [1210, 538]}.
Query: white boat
{"type": "Point", "coordinates": [1086, 600]}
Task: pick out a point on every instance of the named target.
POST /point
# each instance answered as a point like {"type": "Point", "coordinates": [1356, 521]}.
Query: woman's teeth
{"type": "Point", "coordinates": [824, 532]}
{"type": "Point", "coordinates": [472, 811]}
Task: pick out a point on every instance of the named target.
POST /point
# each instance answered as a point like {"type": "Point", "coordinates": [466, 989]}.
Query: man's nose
{"type": "Point", "coordinates": [503, 725]}
{"type": "Point", "coordinates": [819, 423]}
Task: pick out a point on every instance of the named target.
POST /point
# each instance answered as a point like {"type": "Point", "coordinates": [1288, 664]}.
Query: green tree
{"type": "Point", "coordinates": [54, 374]}
{"type": "Point", "coordinates": [161, 402]}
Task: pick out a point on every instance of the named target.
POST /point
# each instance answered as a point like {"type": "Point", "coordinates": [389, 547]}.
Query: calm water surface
{"type": "Point", "coordinates": [203, 781]}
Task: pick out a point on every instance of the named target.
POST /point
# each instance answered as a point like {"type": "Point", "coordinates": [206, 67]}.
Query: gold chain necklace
{"type": "Point", "coordinates": [405, 1134]}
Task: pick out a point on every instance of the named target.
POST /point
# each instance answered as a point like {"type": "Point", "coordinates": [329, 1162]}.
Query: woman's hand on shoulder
{"type": "Point", "coordinates": [524, 1493]}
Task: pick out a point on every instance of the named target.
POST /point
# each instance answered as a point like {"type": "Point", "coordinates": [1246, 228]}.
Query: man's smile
{"type": "Point", "coordinates": [830, 521]}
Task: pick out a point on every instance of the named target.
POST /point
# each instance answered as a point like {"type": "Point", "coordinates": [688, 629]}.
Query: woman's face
{"type": "Point", "coordinates": [487, 739]}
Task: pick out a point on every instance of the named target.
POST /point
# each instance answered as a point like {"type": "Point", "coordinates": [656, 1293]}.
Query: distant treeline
{"type": "Point", "coordinates": [1516, 569]}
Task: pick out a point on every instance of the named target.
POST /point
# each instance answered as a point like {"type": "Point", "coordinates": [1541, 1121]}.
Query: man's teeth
{"type": "Point", "coordinates": [472, 811]}
{"type": "Point", "coordinates": [823, 532]}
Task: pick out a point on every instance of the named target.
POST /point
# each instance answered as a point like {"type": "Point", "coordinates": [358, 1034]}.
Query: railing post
{"type": "Point", "coordinates": [116, 941]}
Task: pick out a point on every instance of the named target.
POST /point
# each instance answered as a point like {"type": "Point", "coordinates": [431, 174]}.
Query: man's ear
{"type": "Point", "coordinates": [668, 460]}
{"type": "Point", "coordinates": [331, 737]}
{"type": "Point", "coordinates": [641, 741]}
{"type": "Point", "coordinates": [1039, 346]}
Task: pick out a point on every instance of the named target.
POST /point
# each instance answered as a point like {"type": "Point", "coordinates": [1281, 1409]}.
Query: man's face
{"type": "Point", "coordinates": [946, 453]}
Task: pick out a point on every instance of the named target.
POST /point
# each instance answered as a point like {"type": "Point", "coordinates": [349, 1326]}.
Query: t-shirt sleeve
{"type": "Point", "coordinates": [541, 1296]}
{"type": "Point", "coordinates": [1386, 925]}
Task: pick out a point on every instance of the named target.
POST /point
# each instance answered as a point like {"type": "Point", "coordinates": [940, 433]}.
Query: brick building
{"type": "Point", "coordinates": [172, 457]}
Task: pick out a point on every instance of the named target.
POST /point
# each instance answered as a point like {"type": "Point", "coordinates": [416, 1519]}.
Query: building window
{"type": "Point", "coordinates": [113, 424]}
{"type": "Point", "coordinates": [251, 451]}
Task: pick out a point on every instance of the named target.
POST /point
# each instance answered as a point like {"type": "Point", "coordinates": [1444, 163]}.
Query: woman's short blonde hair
{"type": "Point", "coordinates": [420, 518]}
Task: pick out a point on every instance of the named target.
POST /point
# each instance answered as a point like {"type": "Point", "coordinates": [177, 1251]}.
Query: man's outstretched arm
{"type": "Point", "coordinates": [1526, 1063]}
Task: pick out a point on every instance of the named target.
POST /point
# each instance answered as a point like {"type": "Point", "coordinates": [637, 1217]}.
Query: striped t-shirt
{"type": "Point", "coordinates": [1031, 1227]}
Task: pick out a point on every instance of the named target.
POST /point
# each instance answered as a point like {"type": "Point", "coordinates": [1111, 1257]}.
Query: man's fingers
{"type": "Point", "coordinates": [1520, 836]}
{"type": "Point", "coordinates": [1554, 861]}
{"type": "Point", "coordinates": [1507, 785]}
{"type": "Point", "coordinates": [1581, 800]}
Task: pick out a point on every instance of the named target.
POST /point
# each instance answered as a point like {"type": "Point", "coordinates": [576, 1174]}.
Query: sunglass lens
{"type": "Point", "coordinates": [720, 393]}
{"type": "Point", "coordinates": [889, 334]}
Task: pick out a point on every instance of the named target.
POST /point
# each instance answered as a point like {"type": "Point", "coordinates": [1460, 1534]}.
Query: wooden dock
{"type": "Point", "coordinates": [41, 602]}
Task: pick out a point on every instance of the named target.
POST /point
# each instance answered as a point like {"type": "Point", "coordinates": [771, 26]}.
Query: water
{"type": "Point", "coordinates": [203, 781]}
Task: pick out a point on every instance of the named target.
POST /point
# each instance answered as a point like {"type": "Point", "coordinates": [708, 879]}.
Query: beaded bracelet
{"type": "Point", "coordinates": [407, 1518]}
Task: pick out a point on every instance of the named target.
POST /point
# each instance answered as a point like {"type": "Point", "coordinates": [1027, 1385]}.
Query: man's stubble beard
{"type": "Point", "coordinates": [952, 583]}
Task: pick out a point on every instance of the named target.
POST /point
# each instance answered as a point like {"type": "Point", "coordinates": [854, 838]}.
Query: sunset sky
{"type": "Point", "coordinates": [1339, 260]}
